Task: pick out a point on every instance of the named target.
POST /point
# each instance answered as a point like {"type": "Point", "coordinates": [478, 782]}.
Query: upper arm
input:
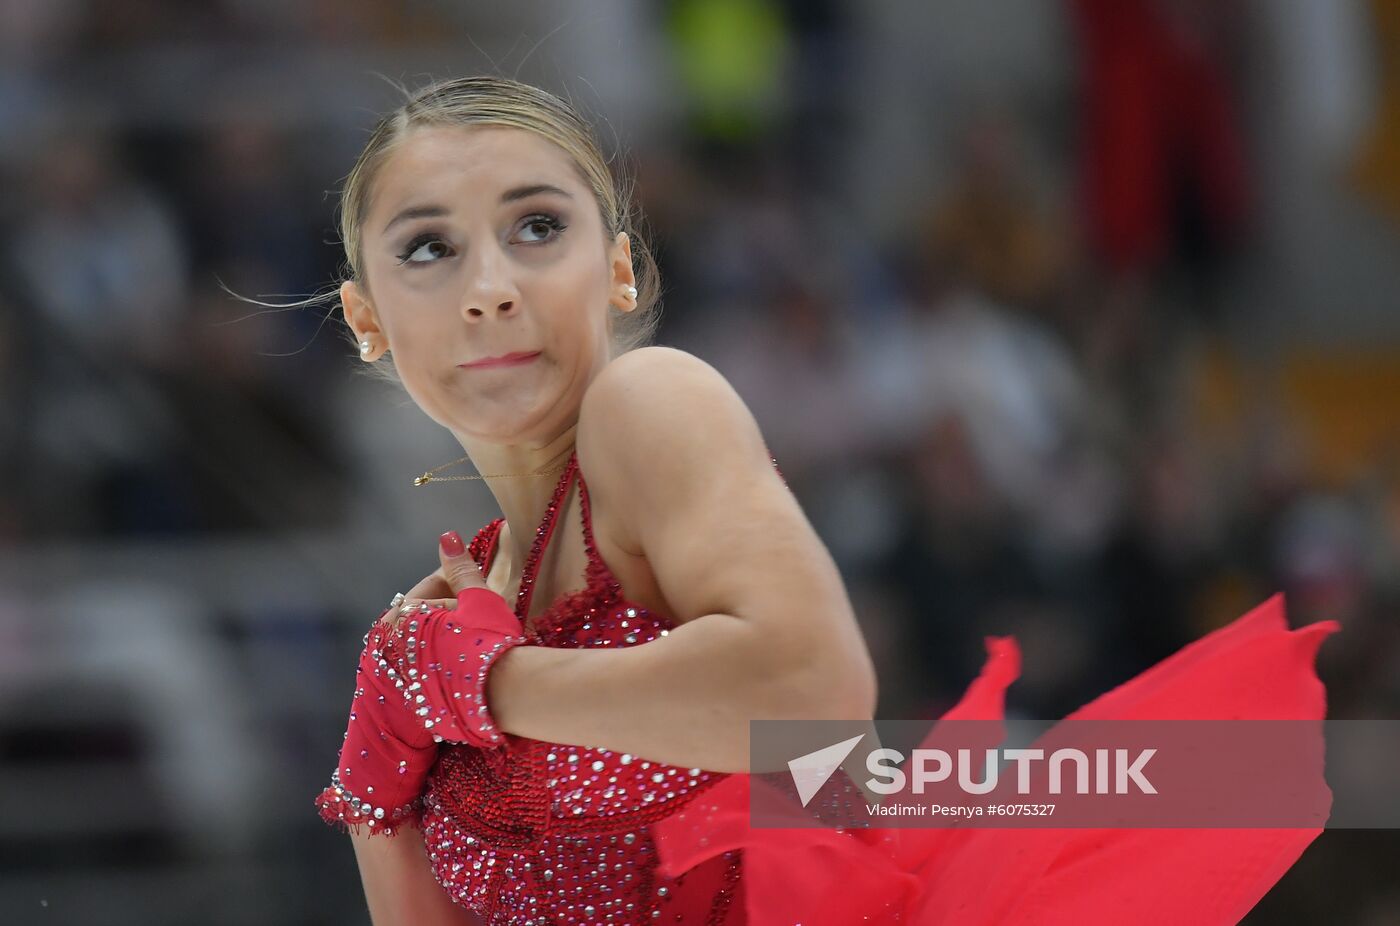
{"type": "Point", "coordinates": [677, 457]}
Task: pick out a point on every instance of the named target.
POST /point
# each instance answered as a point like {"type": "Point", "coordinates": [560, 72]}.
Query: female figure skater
{"type": "Point", "coordinates": [550, 728]}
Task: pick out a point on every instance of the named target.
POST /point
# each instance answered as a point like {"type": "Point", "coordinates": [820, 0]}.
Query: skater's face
{"type": "Point", "coordinates": [481, 241]}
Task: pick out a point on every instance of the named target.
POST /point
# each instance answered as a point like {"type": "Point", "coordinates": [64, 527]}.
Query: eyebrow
{"type": "Point", "coordinates": [509, 196]}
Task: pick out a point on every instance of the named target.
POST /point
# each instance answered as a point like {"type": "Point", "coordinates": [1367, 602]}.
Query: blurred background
{"type": "Point", "coordinates": [1071, 319]}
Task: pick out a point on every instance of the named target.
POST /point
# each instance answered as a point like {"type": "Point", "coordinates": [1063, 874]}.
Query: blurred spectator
{"type": "Point", "coordinates": [99, 254]}
{"type": "Point", "coordinates": [797, 371]}
{"type": "Point", "coordinates": [1011, 382]}
{"type": "Point", "coordinates": [1377, 168]}
{"type": "Point", "coordinates": [1162, 165]}
{"type": "Point", "coordinates": [988, 232]}
{"type": "Point", "coordinates": [98, 262]}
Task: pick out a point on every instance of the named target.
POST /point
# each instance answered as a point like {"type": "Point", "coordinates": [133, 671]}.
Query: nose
{"type": "Point", "coordinates": [490, 290]}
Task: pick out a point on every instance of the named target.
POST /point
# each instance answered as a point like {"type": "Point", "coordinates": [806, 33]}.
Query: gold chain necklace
{"type": "Point", "coordinates": [429, 477]}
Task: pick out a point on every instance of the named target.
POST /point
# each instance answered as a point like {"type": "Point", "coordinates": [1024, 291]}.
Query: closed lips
{"type": "Point", "coordinates": [504, 358]}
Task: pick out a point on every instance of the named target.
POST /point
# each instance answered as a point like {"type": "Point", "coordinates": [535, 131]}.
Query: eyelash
{"type": "Point", "coordinates": [541, 218]}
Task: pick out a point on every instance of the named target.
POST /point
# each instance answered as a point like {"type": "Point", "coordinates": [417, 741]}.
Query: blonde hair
{"type": "Point", "coordinates": [500, 101]}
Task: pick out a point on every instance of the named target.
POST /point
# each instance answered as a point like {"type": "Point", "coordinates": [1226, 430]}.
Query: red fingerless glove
{"type": "Point", "coordinates": [421, 682]}
{"type": "Point", "coordinates": [445, 659]}
{"type": "Point", "coordinates": [387, 754]}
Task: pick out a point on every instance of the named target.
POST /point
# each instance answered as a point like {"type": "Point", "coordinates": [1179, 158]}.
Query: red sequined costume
{"type": "Point", "coordinates": [543, 833]}
{"type": "Point", "coordinates": [561, 834]}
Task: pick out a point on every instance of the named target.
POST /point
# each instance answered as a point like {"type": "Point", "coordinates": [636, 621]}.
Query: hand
{"type": "Point", "coordinates": [456, 571]}
{"type": "Point", "coordinates": [400, 713]}
{"type": "Point", "coordinates": [440, 655]}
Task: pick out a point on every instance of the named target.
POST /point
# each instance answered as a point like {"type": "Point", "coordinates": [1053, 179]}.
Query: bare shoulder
{"type": "Point", "coordinates": [662, 405]}
{"type": "Point", "coordinates": [673, 453]}
{"type": "Point", "coordinates": [658, 389]}
{"type": "Point", "coordinates": [660, 427]}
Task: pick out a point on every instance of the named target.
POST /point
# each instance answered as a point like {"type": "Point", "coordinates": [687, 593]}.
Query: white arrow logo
{"type": "Point", "coordinates": [811, 771]}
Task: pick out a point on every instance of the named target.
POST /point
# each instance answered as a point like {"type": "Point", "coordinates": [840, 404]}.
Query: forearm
{"type": "Point", "coordinates": [685, 699]}
{"type": "Point", "coordinates": [399, 884]}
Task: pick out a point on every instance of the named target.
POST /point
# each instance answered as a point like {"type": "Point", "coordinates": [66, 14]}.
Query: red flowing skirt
{"type": "Point", "coordinates": [1255, 668]}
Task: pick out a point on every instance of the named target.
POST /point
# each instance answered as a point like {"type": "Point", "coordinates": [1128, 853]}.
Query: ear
{"type": "Point", "coordinates": [361, 318]}
{"type": "Point", "coordinates": [620, 258]}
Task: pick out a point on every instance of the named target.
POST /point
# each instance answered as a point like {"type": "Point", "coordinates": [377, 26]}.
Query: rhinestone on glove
{"type": "Point", "coordinates": [439, 661]}
{"type": "Point", "coordinates": [385, 758]}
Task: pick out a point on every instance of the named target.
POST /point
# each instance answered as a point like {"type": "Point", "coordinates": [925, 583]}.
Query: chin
{"type": "Point", "coordinates": [505, 424]}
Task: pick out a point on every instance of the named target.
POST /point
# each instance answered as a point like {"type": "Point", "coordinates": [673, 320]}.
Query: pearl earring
{"type": "Point", "coordinates": [364, 347]}
{"type": "Point", "coordinates": [630, 290]}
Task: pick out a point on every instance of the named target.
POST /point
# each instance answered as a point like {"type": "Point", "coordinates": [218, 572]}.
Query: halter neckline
{"type": "Point", "coordinates": [543, 532]}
